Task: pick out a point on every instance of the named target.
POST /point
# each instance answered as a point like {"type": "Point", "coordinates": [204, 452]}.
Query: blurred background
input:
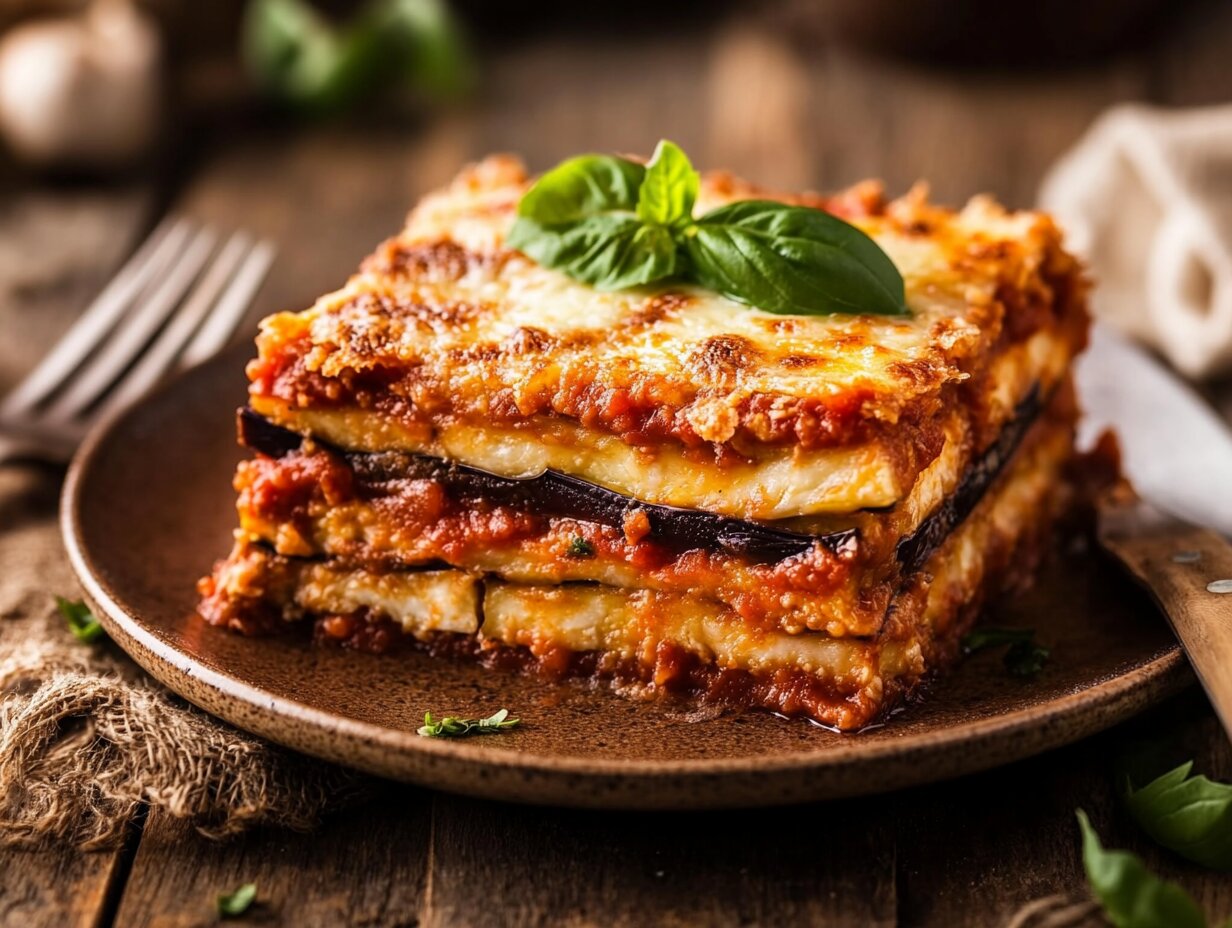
{"type": "Point", "coordinates": [318, 124]}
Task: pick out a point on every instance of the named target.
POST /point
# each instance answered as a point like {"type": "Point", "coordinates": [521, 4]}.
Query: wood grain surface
{"type": "Point", "coordinates": [766, 100]}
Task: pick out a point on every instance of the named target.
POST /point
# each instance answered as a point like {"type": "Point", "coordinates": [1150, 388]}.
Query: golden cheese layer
{"type": "Point", "coordinates": [447, 343]}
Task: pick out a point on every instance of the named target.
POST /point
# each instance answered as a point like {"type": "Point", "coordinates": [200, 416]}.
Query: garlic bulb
{"type": "Point", "coordinates": [83, 90]}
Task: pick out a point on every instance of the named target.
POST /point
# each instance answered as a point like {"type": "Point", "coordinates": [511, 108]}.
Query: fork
{"type": "Point", "coordinates": [173, 305]}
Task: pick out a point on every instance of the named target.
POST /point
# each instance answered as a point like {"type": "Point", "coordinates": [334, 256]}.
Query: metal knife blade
{"type": "Point", "coordinates": [1177, 451]}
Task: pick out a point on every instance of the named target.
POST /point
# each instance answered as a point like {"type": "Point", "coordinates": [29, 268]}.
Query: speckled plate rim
{"type": "Point", "coordinates": [504, 773]}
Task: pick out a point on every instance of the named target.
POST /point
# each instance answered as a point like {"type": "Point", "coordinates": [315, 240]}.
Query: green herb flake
{"type": "Point", "coordinates": [235, 904]}
{"type": "Point", "coordinates": [81, 621]}
{"type": "Point", "coordinates": [1189, 815]}
{"type": "Point", "coordinates": [1132, 896]}
{"type": "Point", "coordinates": [1024, 657]}
{"type": "Point", "coordinates": [452, 727]}
{"type": "Point", "coordinates": [613, 224]}
{"type": "Point", "coordinates": [580, 547]}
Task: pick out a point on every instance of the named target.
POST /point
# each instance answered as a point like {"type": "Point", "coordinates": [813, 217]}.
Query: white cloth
{"type": "Point", "coordinates": [1146, 198]}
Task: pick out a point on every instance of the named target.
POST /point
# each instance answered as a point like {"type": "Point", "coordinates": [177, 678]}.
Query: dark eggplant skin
{"type": "Point", "coordinates": [554, 493]}
{"type": "Point", "coordinates": [558, 494]}
{"type": "Point", "coordinates": [914, 549]}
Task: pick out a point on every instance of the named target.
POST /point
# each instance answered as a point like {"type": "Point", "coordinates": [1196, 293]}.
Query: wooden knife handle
{"type": "Point", "coordinates": [1188, 571]}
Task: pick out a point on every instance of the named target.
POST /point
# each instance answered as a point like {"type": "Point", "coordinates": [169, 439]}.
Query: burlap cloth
{"type": "Point", "coordinates": [86, 738]}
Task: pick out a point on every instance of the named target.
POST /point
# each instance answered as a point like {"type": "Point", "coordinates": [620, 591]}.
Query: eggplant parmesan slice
{"type": "Point", "coordinates": [470, 453]}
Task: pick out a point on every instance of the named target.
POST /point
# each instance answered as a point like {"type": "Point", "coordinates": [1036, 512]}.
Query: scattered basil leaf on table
{"type": "Point", "coordinates": [451, 727]}
{"type": "Point", "coordinates": [612, 223]}
{"type": "Point", "coordinates": [234, 904]}
{"type": "Point", "coordinates": [81, 621]}
{"type": "Point", "coordinates": [1189, 815]}
{"type": "Point", "coordinates": [1132, 896]}
{"type": "Point", "coordinates": [1025, 657]}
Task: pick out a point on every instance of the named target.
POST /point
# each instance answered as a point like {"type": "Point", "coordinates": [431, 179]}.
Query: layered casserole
{"type": "Point", "coordinates": [659, 487]}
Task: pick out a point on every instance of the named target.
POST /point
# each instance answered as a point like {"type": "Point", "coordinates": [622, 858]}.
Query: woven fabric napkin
{"type": "Point", "coordinates": [1146, 197]}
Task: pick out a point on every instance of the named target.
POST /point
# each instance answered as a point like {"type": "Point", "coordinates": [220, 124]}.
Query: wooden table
{"type": "Point", "coordinates": [966, 853]}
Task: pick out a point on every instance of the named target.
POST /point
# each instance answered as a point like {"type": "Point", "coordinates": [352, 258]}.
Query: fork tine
{"type": "Point", "coordinates": [170, 342]}
{"type": "Point", "coordinates": [231, 306]}
{"type": "Point", "coordinates": [101, 371]}
{"type": "Point", "coordinates": [150, 258]}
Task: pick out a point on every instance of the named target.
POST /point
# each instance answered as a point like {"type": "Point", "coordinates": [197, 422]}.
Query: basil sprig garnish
{"type": "Point", "coordinates": [612, 223]}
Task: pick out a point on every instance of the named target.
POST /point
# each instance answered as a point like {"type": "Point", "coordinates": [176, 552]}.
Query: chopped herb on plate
{"type": "Point", "coordinates": [452, 727]}
{"type": "Point", "coordinates": [1025, 657]}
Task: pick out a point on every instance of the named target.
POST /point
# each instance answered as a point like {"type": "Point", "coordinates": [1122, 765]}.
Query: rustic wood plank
{"type": "Point", "coordinates": [829, 864]}
{"type": "Point", "coordinates": [58, 887]}
{"type": "Point", "coordinates": [362, 867]}
{"type": "Point", "coordinates": [975, 851]}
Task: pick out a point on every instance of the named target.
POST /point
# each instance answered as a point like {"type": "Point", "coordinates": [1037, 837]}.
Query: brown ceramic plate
{"type": "Point", "coordinates": [148, 506]}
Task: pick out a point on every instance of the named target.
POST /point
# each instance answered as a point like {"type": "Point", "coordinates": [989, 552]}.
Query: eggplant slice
{"type": "Point", "coordinates": [555, 493]}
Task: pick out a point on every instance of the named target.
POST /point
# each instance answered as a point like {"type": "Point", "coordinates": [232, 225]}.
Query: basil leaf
{"type": "Point", "coordinates": [295, 54]}
{"type": "Point", "coordinates": [607, 251]}
{"type": "Point", "coordinates": [298, 56]}
{"type": "Point", "coordinates": [580, 188]}
{"type": "Point", "coordinates": [611, 223]}
{"type": "Point", "coordinates": [670, 188]}
{"type": "Point", "coordinates": [792, 260]}
{"type": "Point", "coordinates": [1131, 895]}
{"type": "Point", "coordinates": [1189, 815]}
{"type": "Point", "coordinates": [427, 43]}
